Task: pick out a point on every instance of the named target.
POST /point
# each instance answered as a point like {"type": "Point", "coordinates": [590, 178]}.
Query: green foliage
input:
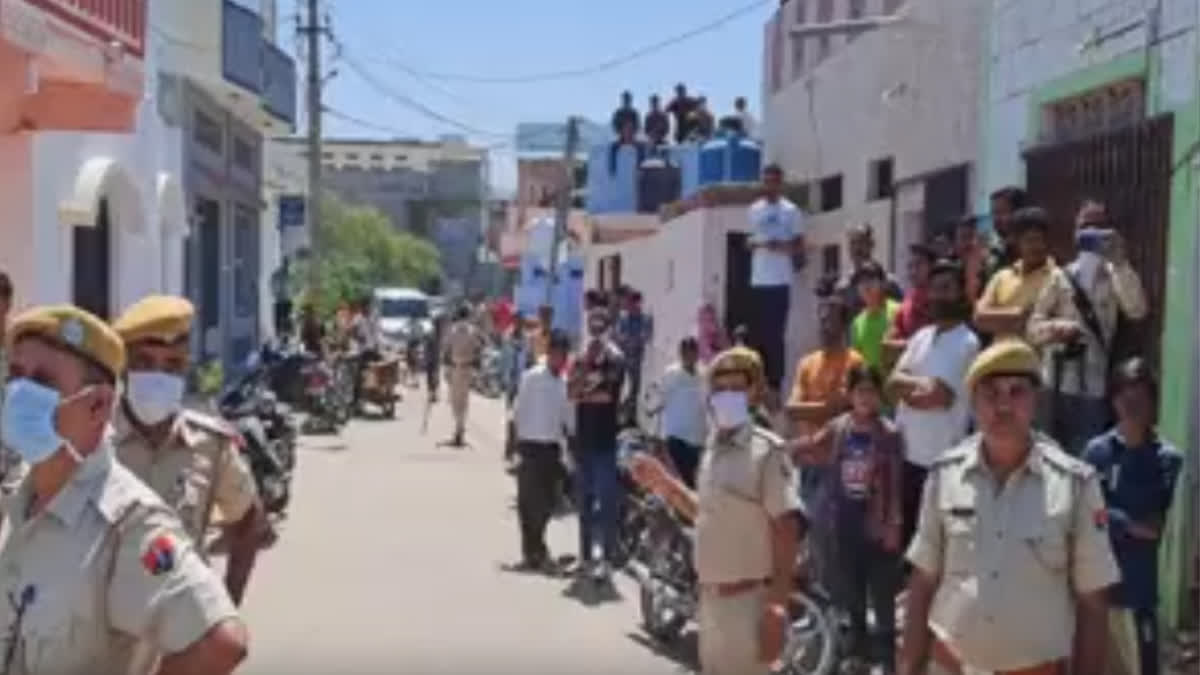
{"type": "Point", "coordinates": [359, 249]}
{"type": "Point", "coordinates": [209, 378]}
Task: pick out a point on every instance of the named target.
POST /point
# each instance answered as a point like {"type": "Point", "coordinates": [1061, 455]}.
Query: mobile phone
{"type": "Point", "coordinates": [1093, 240]}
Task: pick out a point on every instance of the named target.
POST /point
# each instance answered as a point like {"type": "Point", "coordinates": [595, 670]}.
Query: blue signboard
{"type": "Point", "coordinates": [291, 211]}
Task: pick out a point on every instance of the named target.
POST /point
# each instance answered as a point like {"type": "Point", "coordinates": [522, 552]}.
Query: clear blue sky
{"type": "Point", "coordinates": [487, 38]}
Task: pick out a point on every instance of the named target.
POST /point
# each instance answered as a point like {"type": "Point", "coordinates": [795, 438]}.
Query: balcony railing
{"type": "Point", "coordinates": [121, 21]}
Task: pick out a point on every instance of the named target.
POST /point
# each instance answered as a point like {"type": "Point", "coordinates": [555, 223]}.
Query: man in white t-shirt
{"type": "Point", "coordinates": [777, 242]}
{"type": "Point", "coordinates": [684, 411]}
{"type": "Point", "coordinates": [928, 381]}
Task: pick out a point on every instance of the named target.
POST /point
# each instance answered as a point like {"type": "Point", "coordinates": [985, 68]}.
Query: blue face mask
{"type": "Point", "coordinates": [28, 420]}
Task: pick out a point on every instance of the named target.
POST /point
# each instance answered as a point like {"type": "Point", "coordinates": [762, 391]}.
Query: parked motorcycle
{"type": "Point", "coordinates": [489, 376]}
{"type": "Point", "coordinates": [669, 595]}
{"type": "Point", "coordinates": [268, 432]}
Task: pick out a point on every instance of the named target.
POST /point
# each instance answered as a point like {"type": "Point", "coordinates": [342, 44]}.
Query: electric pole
{"type": "Point", "coordinates": [563, 207]}
{"type": "Point", "coordinates": [313, 31]}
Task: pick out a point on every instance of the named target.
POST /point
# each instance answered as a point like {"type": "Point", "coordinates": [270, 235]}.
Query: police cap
{"type": "Point", "coordinates": [165, 319]}
{"type": "Point", "coordinates": [1009, 356]}
{"type": "Point", "coordinates": [73, 330]}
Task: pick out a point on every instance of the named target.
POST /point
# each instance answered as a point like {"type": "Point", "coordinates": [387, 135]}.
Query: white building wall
{"type": "Point", "coordinates": [906, 90]}
{"type": "Point", "coordinates": [681, 267]}
{"type": "Point", "coordinates": [138, 244]}
{"type": "Point", "coordinates": [1033, 42]}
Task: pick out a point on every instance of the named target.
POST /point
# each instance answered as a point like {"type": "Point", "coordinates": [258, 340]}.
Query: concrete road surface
{"type": "Point", "coordinates": [390, 561]}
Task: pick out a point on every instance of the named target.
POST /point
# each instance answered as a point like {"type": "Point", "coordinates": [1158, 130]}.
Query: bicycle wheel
{"type": "Point", "coordinates": [811, 647]}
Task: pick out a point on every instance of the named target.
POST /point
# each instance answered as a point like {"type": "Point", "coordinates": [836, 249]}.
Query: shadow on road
{"type": "Point", "coordinates": [684, 652]}
{"type": "Point", "coordinates": [324, 444]}
{"type": "Point", "coordinates": [592, 593]}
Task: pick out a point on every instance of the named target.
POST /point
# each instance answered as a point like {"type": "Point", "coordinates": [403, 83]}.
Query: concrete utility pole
{"type": "Point", "coordinates": [563, 207]}
{"type": "Point", "coordinates": [313, 31]}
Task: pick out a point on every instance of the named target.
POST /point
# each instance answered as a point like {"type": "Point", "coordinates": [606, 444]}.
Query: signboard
{"type": "Point", "coordinates": [291, 211]}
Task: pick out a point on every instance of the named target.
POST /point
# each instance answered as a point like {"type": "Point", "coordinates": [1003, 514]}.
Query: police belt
{"type": "Point", "coordinates": [945, 657]}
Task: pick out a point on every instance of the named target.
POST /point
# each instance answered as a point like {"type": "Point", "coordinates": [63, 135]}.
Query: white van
{"type": "Point", "coordinates": [401, 313]}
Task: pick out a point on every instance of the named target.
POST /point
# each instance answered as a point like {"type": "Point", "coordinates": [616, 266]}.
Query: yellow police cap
{"type": "Point", "coordinates": [166, 318]}
{"type": "Point", "coordinates": [1009, 356]}
{"type": "Point", "coordinates": [72, 329]}
{"type": "Point", "coordinates": [739, 360]}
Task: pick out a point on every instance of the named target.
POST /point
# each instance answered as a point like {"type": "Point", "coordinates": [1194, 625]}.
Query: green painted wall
{"type": "Point", "coordinates": [1179, 321]}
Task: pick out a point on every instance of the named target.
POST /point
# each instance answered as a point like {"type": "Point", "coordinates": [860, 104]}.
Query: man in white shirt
{"type": "Point", "coordinates": [928, 381]}
{"type": "Point", "coordinates": [777, 242]}
{"type": "Point", "coordinates": [543, 415]}
{"type": "Point", "coordinates": [749, 125]}
{"type": "Point", "coordinates": [683, 411]}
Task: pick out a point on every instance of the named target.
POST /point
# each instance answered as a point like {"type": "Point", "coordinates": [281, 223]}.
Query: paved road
{"type": "Point", "coordinates": [391, 561]}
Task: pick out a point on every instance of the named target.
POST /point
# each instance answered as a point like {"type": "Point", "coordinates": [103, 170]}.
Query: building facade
{"type": "Point", "coordinates": [1100, 100]}
{"type": "Point", "coordinates": [225, 85]}
{"type": "Point", "coordinates": [879, 122]}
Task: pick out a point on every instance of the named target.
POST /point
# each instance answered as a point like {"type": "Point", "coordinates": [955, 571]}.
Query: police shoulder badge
{"type": "Point", "coordinates": [72, 332]}
{"type": "Point", "coordinates": [159, 556]}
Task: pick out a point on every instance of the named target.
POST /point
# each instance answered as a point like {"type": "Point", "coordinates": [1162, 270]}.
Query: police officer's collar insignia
{"type": "Point", "coordinates": [71, 332]}
{"type": "Point", "coordinates": [159, 556]}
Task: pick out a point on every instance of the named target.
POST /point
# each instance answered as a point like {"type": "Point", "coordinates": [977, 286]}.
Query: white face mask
{"type": "Point", "coordinates": [1089, 265]}
{"type": "Point", "coordinates": [730, 409]}
{"type": "Point", "coordinates": [154, 396]}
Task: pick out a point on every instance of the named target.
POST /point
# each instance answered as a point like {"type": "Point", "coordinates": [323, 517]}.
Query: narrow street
{"type": "Point", "coordinates": [392, 561]}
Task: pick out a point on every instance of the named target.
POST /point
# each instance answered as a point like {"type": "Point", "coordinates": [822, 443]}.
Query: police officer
{"type": "Point", "coordinates": [746, 510]}
{"type": "Point", "coordinates": [98, 575]}
{"type": "Point", "coordinates": [190, 459]}
{"type": "Point", "coordinates": [1011, 558]}
{"type": "Point", "coordinates": [460, 349]}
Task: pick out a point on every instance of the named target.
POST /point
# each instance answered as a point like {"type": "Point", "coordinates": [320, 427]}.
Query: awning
{"type": "Point", "coordinates": [172, 209]}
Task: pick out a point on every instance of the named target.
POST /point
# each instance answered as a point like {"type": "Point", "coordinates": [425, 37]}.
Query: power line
{"type": "Point", "coordinates": [409, 102]}
{"type": "Point", "coordinates": [608, 64]}
{"type": "Point", "coordinates": [365, 124]}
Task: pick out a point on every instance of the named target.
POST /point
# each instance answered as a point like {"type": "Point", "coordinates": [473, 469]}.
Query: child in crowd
{"type": "Point", "coordinates": [864, 449]}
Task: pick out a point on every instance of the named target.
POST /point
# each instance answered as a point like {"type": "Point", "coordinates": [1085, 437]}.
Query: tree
{"type": "Point", "coordinates": [358, 249]}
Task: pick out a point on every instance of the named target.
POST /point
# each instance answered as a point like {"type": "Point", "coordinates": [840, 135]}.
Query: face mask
{"type": "Point", "coordinates": [731, 409]}
{"type": "Point", "coordinates": [154, 396]}
{"type": "Point", "coordinates": [1089, 265]}
{"type": "Point", "coordinates": [28, 418]}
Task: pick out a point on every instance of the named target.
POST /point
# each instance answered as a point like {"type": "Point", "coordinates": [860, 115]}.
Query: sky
{"type": "Point", "coordinates": [403, 46]}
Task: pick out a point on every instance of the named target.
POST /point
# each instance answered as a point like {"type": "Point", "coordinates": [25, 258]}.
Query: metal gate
{"type": "Point", "coordinates": [1129, 169]}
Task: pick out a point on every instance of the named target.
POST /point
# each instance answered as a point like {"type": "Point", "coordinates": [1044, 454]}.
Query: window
{"type": "Point", "coordinates": [890, 6]}
{"type": "Point", "coordinates": [880, 177]}
{"type": "Point", "coordinates": [824, 46]}
{"type": "Point", "coordinates": [206, 131]}
{"type": "Point", "coordinates": [824, 11]}
{"type": "Point", "coordinates": [376, 157]}
{"type": "Point", "coordinates": [831, 193]}
{"type": "Point", "coordinates": [400, 158]}
{"type": "Point", "coordinates": [351, 156]}
{"type": "Point", "coordinates": [244, 154]}
{"type": "Point", "coordinates": [797, 56]}
{"type": "Point", "coordinates": [327, 156]}
{"type": "Point", "coordinates": [803, 195]}
{"type": "Point", "coordinates": [831, 260]}
{"type": "Point", "coordinates": [855, 10]}
{"type": "Point", "coordinates": [246, 261]}
{"type": "Point", "coordinates": [799, 11]}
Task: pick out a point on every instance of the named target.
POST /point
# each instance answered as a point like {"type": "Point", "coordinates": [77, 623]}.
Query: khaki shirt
{"type": "Point", "coordinates": [743, 484]}
{"type": "Point", "coordinates": [463, 342]}
{"type": "Point", "coordinates": [102, 579]}
{"type": "Point", "coordinates": [198, 467]}
{"type": "Point", "coordinates": [1011, 558]}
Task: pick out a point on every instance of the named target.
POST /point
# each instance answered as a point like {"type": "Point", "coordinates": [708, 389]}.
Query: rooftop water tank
{"type": "Point", "coordinates": [612, 177]}
{"type": "Point", "coordinates": [658, 183]}
{"type": "Point", "coordinates": [731, 159]}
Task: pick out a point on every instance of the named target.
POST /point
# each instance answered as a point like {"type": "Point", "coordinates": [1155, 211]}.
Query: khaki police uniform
{"type": "Point", "coordinates": [743, 483]}
{"type": "Point", "coordinates": [198, 468]}
{"type": "Point", "coordinates": [103, 579]}
{"type": "Point", "coordinates": [1010, 558]}
{"type": "Point", "coordinates": [462, 345]}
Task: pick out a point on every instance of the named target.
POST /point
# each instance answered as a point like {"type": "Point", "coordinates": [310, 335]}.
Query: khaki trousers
{"type": "Point", "coordinates": [460, 394]}
{"type": "Point", "coordinates": [729, 632]}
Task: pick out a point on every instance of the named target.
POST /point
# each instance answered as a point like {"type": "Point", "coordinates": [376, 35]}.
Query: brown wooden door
{"type": "Point", "coordinates": [1129, 169]}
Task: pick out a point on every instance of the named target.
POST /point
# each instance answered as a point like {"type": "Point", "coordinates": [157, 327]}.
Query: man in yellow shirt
{"type": "Point", "coordinates": [1005, 305]}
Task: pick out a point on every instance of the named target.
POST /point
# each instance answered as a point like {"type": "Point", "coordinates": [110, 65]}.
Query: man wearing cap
{"type": "Point", "coordinates": [1011, 558]}
{"type": "Point", "coordinates": [100, 575]}
{"type": "Point", "coordinates": [745, 509]}
{"type": "Point", "coordinates": [461, 349]}
{"type": "Point", "coordinates": [190, 459]}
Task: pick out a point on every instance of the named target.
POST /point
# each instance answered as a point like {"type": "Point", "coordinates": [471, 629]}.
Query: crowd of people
{"type": "Point", "coordinates": [992, 392]}
{"type": "Point", "coordinates": [688, 116]}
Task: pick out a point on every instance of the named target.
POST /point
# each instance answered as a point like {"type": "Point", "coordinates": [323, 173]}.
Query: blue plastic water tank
{"type": "Point", "coordinates": [687, 157]}
{"type": "Point", "coordinates": [658, 184]}
{"type": "Point", "coordinates": [732, 159]}
{"type": "Point", "coordinates": [612, 181]}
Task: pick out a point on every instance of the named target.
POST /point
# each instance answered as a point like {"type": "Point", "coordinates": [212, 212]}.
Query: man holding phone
{"type": "Point", "coordinates": [1074, 322]}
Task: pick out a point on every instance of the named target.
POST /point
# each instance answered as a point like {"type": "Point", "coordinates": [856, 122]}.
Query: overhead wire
{"type": "Point", "coordinates": [607, 64]}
